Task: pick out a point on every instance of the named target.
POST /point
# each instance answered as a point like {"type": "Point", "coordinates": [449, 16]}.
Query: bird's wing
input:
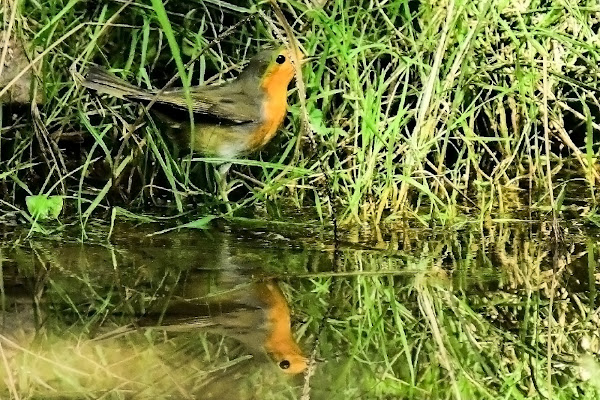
{"type": "Point", "coordinates": [226, 102]}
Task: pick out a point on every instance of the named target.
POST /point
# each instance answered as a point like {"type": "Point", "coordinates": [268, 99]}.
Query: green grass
{"type": "Point", "coordinates": [415, 111]}
{"type": "Point", "coordinates": [459, 114]}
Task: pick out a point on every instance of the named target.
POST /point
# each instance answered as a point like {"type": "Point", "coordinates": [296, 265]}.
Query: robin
{"type": "Point", "coordinates": [256, 315]}
{"type": "Point", "coordinates": [259, 317]}
{"type": "Point", "coordinates": [231, 119]}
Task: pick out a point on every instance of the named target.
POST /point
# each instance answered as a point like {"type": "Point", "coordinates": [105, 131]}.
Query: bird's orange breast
{"type": "Point", "coordinates": [274, 106]}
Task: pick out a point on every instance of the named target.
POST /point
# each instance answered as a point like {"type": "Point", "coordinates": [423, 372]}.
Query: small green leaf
{"type": "Point", "coordinates": [42, 207]}
{"type": "Point", "coordinates": [561, 198]}
{"type": "Point", "coordinates": [202, 223]}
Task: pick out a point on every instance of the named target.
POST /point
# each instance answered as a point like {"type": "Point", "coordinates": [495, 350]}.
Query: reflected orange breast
{"type": "Point", "coordinates": [280, 343]}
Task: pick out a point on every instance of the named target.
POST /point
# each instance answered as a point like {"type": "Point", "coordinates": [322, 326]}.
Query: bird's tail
{"type": "Point", "coordinates": [103, 82]}
{"type": "Point", "coordinates": [184, 324]}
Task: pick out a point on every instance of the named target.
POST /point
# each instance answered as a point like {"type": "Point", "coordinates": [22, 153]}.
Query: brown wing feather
{"type": "Point", "coordinates": [229, 101]}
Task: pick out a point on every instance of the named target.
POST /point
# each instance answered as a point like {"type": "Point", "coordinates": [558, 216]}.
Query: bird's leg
{"type": "Point", "coordinates": [221, 174]}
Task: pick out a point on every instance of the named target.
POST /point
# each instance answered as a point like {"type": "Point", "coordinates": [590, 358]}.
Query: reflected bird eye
{"type": "Point", "coordinates": [285, 364]}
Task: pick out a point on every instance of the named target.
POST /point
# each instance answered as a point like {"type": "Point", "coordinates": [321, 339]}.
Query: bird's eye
{"type": "Point", "coordinates": [285, 364]}
{"type": "Point", "coordinates": [280, 59]}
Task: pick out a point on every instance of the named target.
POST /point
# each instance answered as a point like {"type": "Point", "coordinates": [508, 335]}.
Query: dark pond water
{"type": "Point", "coordinates": [493, 310]}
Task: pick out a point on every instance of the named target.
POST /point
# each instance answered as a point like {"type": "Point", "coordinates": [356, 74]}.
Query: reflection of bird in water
{"type": "Point", "coordinates": [257, 315]}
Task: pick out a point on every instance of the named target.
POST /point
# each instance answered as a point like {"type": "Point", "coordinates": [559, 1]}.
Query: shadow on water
{"type": "Point", "coordinates": [488, 311]}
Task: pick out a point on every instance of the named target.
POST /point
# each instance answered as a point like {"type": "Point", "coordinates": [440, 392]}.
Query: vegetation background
{"type": "Point", "coordinates": [415, 110]}
{"type": "Point", "coordinates": [431, 113]}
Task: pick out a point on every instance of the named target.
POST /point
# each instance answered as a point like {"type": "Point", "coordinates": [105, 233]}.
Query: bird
{"type": "Point", "coordinates": [256, 315]}
{"type": "Point", "coordinates": [231, 119]}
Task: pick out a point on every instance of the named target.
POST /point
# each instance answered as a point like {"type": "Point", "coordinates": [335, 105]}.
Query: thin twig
{"type": "Point", "coordinates": [7, 34]}
{"type": "Point", "coordinates": [40, 56]}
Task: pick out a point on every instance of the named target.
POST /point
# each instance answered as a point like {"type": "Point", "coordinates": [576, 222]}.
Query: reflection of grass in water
{"type": "Point", "coordinates": [70, 366]}
{"type": "Point", "coordinates": [497, 316]}
{"type": "Point", "coordinates": [513, 334]}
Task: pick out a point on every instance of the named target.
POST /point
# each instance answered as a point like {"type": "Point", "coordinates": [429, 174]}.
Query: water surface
{"type": "Point", "coordinates": [490, 310]}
